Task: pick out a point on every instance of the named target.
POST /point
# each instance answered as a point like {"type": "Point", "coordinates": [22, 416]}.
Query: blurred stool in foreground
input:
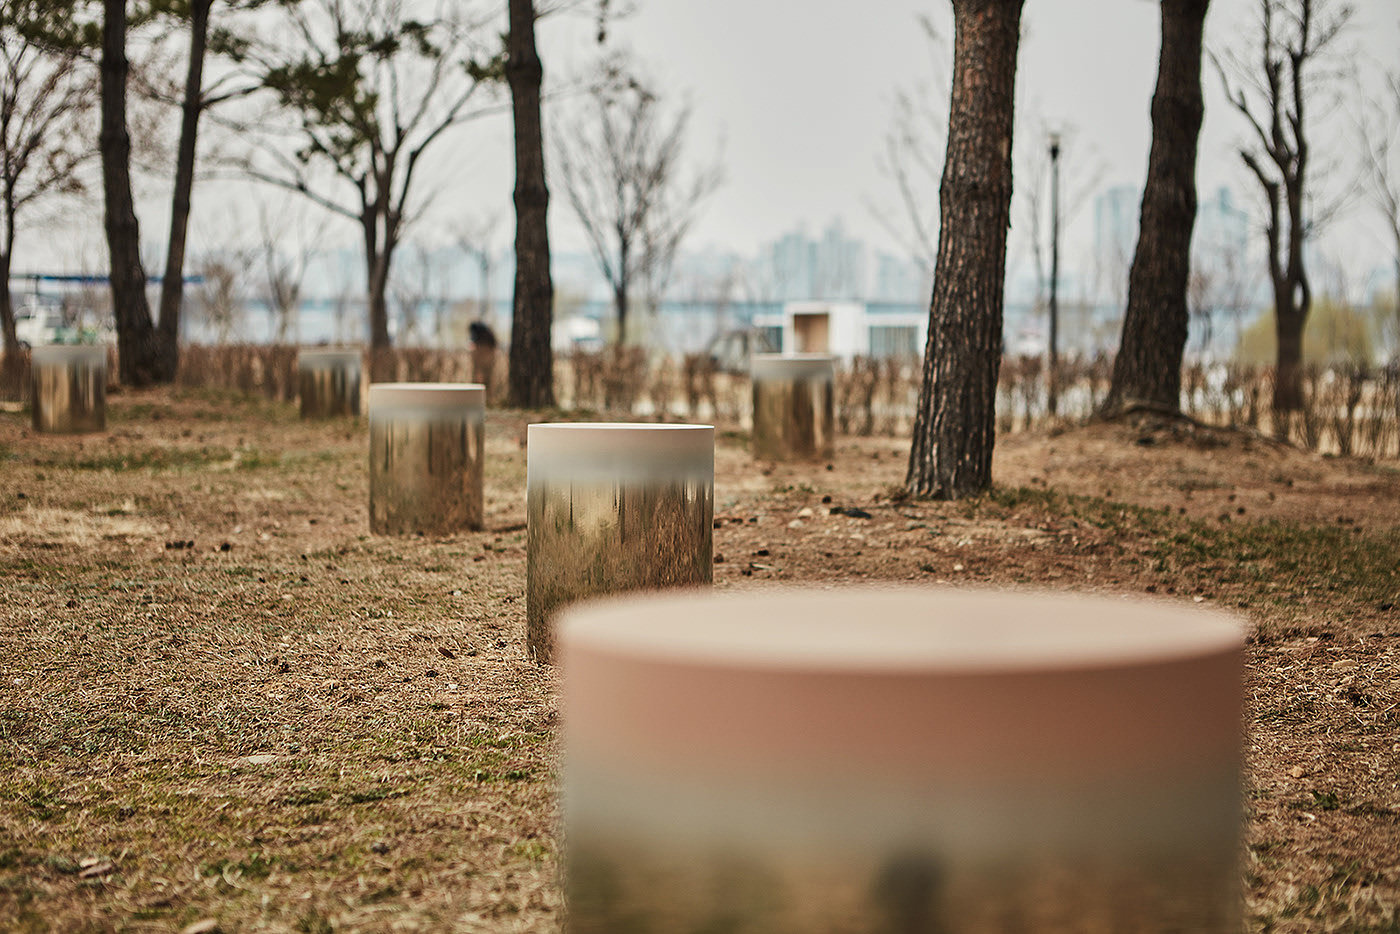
{"type": "Point", "coordinates": [426, 457]}
{"type": "Point", "coordinates": [68, 386]}
{"type": "Point", "coordinates": [793, 408]}
{"type": "Point", "coordinates": [913, 760]}
{"type": "Point", "coordinates": [613, 507]}
{"type": "Point", "coordinates": [329, 383]}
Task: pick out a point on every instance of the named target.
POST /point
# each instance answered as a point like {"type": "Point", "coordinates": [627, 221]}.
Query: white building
{"type": "Point", "coordinates": [847, 329]}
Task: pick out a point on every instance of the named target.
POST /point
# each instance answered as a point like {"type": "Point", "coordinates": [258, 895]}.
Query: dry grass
{"type": "Point", "coordinates": [264, 725]}
{"type": "Point", "coordinates": [220, 698]}
{"type": "Point", "coordinates": [51, 528]}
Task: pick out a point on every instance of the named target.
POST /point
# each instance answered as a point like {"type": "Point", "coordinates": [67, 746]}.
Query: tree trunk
{"type": "Point", "coordinates": [955, 427]}
{"type": "Point", "coordinates": [624, 278]}
{"type": "Point", "coordinates": [378, 302]}
{"type": "Point", "coordinates": [376, 277]}
{"type": "Point", "coordinates": [1292, 302]}
{"type": "Point", "coordinates": [7, 311]}
{"type": "Point", "coordinates": [7, 304]}
{"type": "Point", "coordinates": [11, 381]}
{"type": "Point", "coordinates": [173, 282]}
{"type": "Point", "coordinates": [1288, 371]}
{"type": "Point", "coordinates": [1147, 369]}
{"type": "Point", "coordinates": [138, 352]}
{"type": "Point", "coordinates": [620, 300]}
{"type": "Point", "coordinates": [531, 357]}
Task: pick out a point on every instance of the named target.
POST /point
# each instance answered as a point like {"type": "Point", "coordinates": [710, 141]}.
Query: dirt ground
{"type": "Point", "coordinates": [223, 701]}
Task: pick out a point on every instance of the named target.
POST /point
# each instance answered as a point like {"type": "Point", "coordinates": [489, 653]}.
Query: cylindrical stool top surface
{"type": "Point", "coordinates": [622, 451]}
{"type": "Point", "coordinates": [1069, 684]}
{"type": "Point", "coordinates": [391, 398]}
{"type": "Point", "coordinates": [66, 354]}
{"type": "Point", "coordinates": [316, 358]}
{"type": "Point", "coordinates": [808, 366]}
{"type": "Point", "coordinates": [913, 628]}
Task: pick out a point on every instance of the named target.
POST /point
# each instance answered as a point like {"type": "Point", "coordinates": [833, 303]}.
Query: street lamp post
{"type": "Point", "coordinates": [1052, 395]}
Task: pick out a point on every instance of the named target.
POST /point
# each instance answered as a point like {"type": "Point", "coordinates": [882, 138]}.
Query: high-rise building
{"type": "Point", "coordinates": [840, 265]}
{"type": "Point", "coordinates": [793, 260]}
{"type": "Point", "coordinates": [1116, 212]}
{"type": "Point", "coordinates": [1221, 228]}
{"type": "Point", "coordinates": [900, 279]}
{"type": "Point", "coordinates": [832, 266]}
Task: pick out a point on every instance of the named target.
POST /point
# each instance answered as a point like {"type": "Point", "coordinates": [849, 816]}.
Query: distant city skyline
{"type": "Point", "coordinates": [795, 265]}
{"type": "Point", "coordinates": [803, 262]}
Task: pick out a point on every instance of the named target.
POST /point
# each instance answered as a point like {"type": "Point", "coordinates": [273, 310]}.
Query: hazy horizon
{"type": "Point", "coordinates": [800, 92]}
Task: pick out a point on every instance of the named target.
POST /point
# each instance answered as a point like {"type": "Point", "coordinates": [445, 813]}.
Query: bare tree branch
{"type": "Point", "coordinates": [47, 106]}
{"type": "Point", "coordinates": [372, 85]}
{"type": "Point", "coordinates": [622, 174]}
{"type": "Point", "coordinates": [1293, 36]}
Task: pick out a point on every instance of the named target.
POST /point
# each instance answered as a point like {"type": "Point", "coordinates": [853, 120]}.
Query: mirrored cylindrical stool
{"type": "Point", "coordinates": [614, 507]}
{"type": "Point", "coordinates": [329, 382]}
{"type": "Point", "coordinates": [793, 406]}
{"type": "Point", "coordinates": [68, 388]}
{"type": "Point", "coordinates": [912, 760]}
{"type": "Point", "coordinates": [426, 443]}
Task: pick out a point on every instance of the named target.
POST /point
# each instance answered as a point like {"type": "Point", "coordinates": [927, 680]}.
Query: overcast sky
{"type": "Point", "coordinates": [800, 93]}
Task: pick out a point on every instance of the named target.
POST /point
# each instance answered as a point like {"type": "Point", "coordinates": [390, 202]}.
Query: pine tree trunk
{"type": "Point", "coordinates": [1147, 370]}
{"type": "Point", "coordinates": [138, 351]}
{"type": "Point", "coordinates": [173, 282]}
{"type": "Point", "coordinates": [531, 357]}
{"type": "Point", "coordinates": [955, 427]}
